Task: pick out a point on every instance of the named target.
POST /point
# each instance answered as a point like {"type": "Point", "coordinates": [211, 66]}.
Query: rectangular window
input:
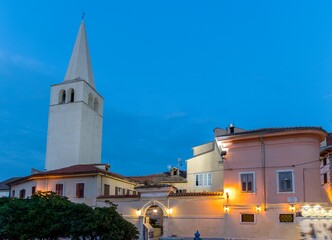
{"type": "Point", "coordinates": [13, 193]}
{"type": "Point", "coordinates": [120, 191]}
{"type": "Point", "coordinates": [247, 182]}
{"type": "Point", "coordinates": [247, 218]}
{"type": "Point", "coordinates": [181, 190]}
{"type": "Point", "coordinates": [324, 178]}
{"type": "Point", "coordinates": [207, 179]}
{"type": "Point", "coordinates": [80, 190]}
{"type": "Point", "coordinates": [33, 190]}
{"type": "Point", "coordinates": [203, 179]}
{"type": "Point", "coordinates": [324, 161]}
{"type": "Point", "coordinates": [59, 189]}
{"type": "Point", "coordinates": [22, 193]}
{"type": "Point", "coordinates": [285, 181]}
{"type": "Point", "coordinates": [106, 189]}
{"type": "Point", "coordinates": [199, 180]}
{"type": "Point", "coordinates": [286, 218]}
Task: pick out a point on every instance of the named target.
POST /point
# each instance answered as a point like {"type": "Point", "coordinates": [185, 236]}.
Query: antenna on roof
{"type": "Point", "coordinates": [179, 163]}
{"type": "Point", "coordinates": [169, 167]}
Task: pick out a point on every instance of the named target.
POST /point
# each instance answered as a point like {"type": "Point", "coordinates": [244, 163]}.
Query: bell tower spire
{"type": "Point", "coordinates": [80, 67]}
{"type": "Point", "coordinates": [76, 113]}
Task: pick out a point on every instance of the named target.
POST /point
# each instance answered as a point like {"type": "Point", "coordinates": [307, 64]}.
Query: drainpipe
{"type": "Point", "coordinates": [303, 176]}
{"type": "Point", "coordinates": [263, 169]}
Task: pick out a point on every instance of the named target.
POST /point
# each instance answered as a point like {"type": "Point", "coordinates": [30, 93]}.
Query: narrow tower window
{"type": "Point", "coordinates": [90, 100]}
{"type": "Point", "coordinates": [62, 96]}
{"type": "Point", "coordinates": [96, 105]}
{"type": "Point", "coordinates": [71, 95]}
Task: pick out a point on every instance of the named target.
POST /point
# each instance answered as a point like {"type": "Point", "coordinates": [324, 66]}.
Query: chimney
{"type": "Point", "coordinates": [231, 128]}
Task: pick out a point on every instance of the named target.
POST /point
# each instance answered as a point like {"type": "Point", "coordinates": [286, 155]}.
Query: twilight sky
{"type": "Point", "coordinates": [169, 72]}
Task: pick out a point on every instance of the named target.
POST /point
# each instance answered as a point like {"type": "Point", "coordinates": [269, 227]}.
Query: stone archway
{"type": "Point", "coordinates": [155, 213]}
{"type": "Point", "coordinates": [152, 203]}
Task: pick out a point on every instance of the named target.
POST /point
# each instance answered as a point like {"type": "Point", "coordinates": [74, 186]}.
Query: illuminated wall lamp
{"type": "Point", "coordinates": [227, 192]}
{"type": "Point", "coordinates": [292, 208]}
{"type": "Point", "coordinates": [226, 209]}
{"type": "Point", "coordinates": [258, 208]}
{"type": "Point", "coordinates": [138, 212]}
{"type": "Point", "coordinates": [169, 211]}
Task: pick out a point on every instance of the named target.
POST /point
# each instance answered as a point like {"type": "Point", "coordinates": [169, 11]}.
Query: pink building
{"type": "Point", "coordinates": [271, 181]}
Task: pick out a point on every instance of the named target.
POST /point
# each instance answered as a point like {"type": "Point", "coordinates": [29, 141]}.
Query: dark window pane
{"type": "Point", "coordinates": [80, 190]}
{"type": "Point", "coordinates": [247, 218]}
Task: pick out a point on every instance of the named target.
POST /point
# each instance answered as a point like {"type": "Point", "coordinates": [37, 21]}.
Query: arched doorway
{"type": "Point", "coordinates": [155, 217]}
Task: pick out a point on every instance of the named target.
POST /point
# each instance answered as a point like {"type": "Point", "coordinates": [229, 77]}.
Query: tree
{"type": "Point", "coordinates": [48, 216]}
{"type": "Point", "coordinates": [43, 216]}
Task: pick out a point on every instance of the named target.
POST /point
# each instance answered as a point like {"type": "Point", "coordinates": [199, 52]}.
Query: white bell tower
{"type": "Point", "coordinates": [75, 114]}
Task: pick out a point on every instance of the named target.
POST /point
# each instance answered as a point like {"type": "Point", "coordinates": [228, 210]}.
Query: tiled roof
{"type": "Point", "coordinates": [153, 186]}
{"type": "Point", "coordinates": [118, 196]}
{"type": "Point", "coordinates": [164, 177]}
{"type": "Point", "coordinates": [4, 184]}
{"type": "Point", "coordinates": [272, 130]}
{"type": "Point", "coordinates": [76, 170]}
{"type": "Point", "coordinates": [196, 194]}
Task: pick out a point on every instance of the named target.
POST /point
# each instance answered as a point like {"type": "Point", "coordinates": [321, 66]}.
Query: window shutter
{"type": "Point", "coordinates": [77, 189]}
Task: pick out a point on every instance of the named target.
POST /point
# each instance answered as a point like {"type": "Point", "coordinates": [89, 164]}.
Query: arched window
{"type": "Point", "coordinates": [96, 105]}
{"type": "Point", "coordinates": [90, 100]}
{"type": "Point", "coordinates": [71, 95]}
{"type": "Point", "coordinates": [62, 96]}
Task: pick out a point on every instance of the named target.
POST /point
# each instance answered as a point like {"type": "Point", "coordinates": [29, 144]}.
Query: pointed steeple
{"type": "Point", "coordinates": [80, 64]}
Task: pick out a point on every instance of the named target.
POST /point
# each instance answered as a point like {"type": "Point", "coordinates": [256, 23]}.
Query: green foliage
{"type": "Point", "coordinates": [48, 216]}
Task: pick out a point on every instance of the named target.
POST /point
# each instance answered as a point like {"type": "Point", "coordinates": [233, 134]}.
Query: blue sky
{"type": "Point", "coordinates": [169, 72]}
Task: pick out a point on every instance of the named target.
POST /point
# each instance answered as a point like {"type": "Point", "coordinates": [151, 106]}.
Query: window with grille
{"type": "Point", "coordinates": [286, 218]}
{"type": "Point", "coordinates": [79, 190]}
{"type": "Point", "coordinates": [247, 218]}
{"type": "Point", "coordinates": [247, 182]}
{"type": "Point", "coordinates": [285, 181]}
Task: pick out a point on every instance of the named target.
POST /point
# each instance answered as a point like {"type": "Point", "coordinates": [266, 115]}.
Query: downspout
{"type": "Point", "coordinates": [303, 176]}
{"type": "Point", "coordinates": [263, 170]}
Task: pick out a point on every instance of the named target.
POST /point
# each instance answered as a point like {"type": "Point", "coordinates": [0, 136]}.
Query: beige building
{"type": "Point", "coordinates": [80, 183]}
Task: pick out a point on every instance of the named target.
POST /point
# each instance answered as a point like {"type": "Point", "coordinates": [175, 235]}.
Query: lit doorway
{"type": "Point", "coordinates": [155, 217]}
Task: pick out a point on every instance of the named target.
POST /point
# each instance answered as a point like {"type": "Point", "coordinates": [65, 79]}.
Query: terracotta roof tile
{"type": "Point", "coordinates": [196, 194]}
{"type": "Point", "coordinates": [164, 177]}
{"type": "Point", "coordinates": [75, 170]}
{"type": "Point", "coordinates": [117, 196]}
{"type": "Point", "coordinates": [4, 185]}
